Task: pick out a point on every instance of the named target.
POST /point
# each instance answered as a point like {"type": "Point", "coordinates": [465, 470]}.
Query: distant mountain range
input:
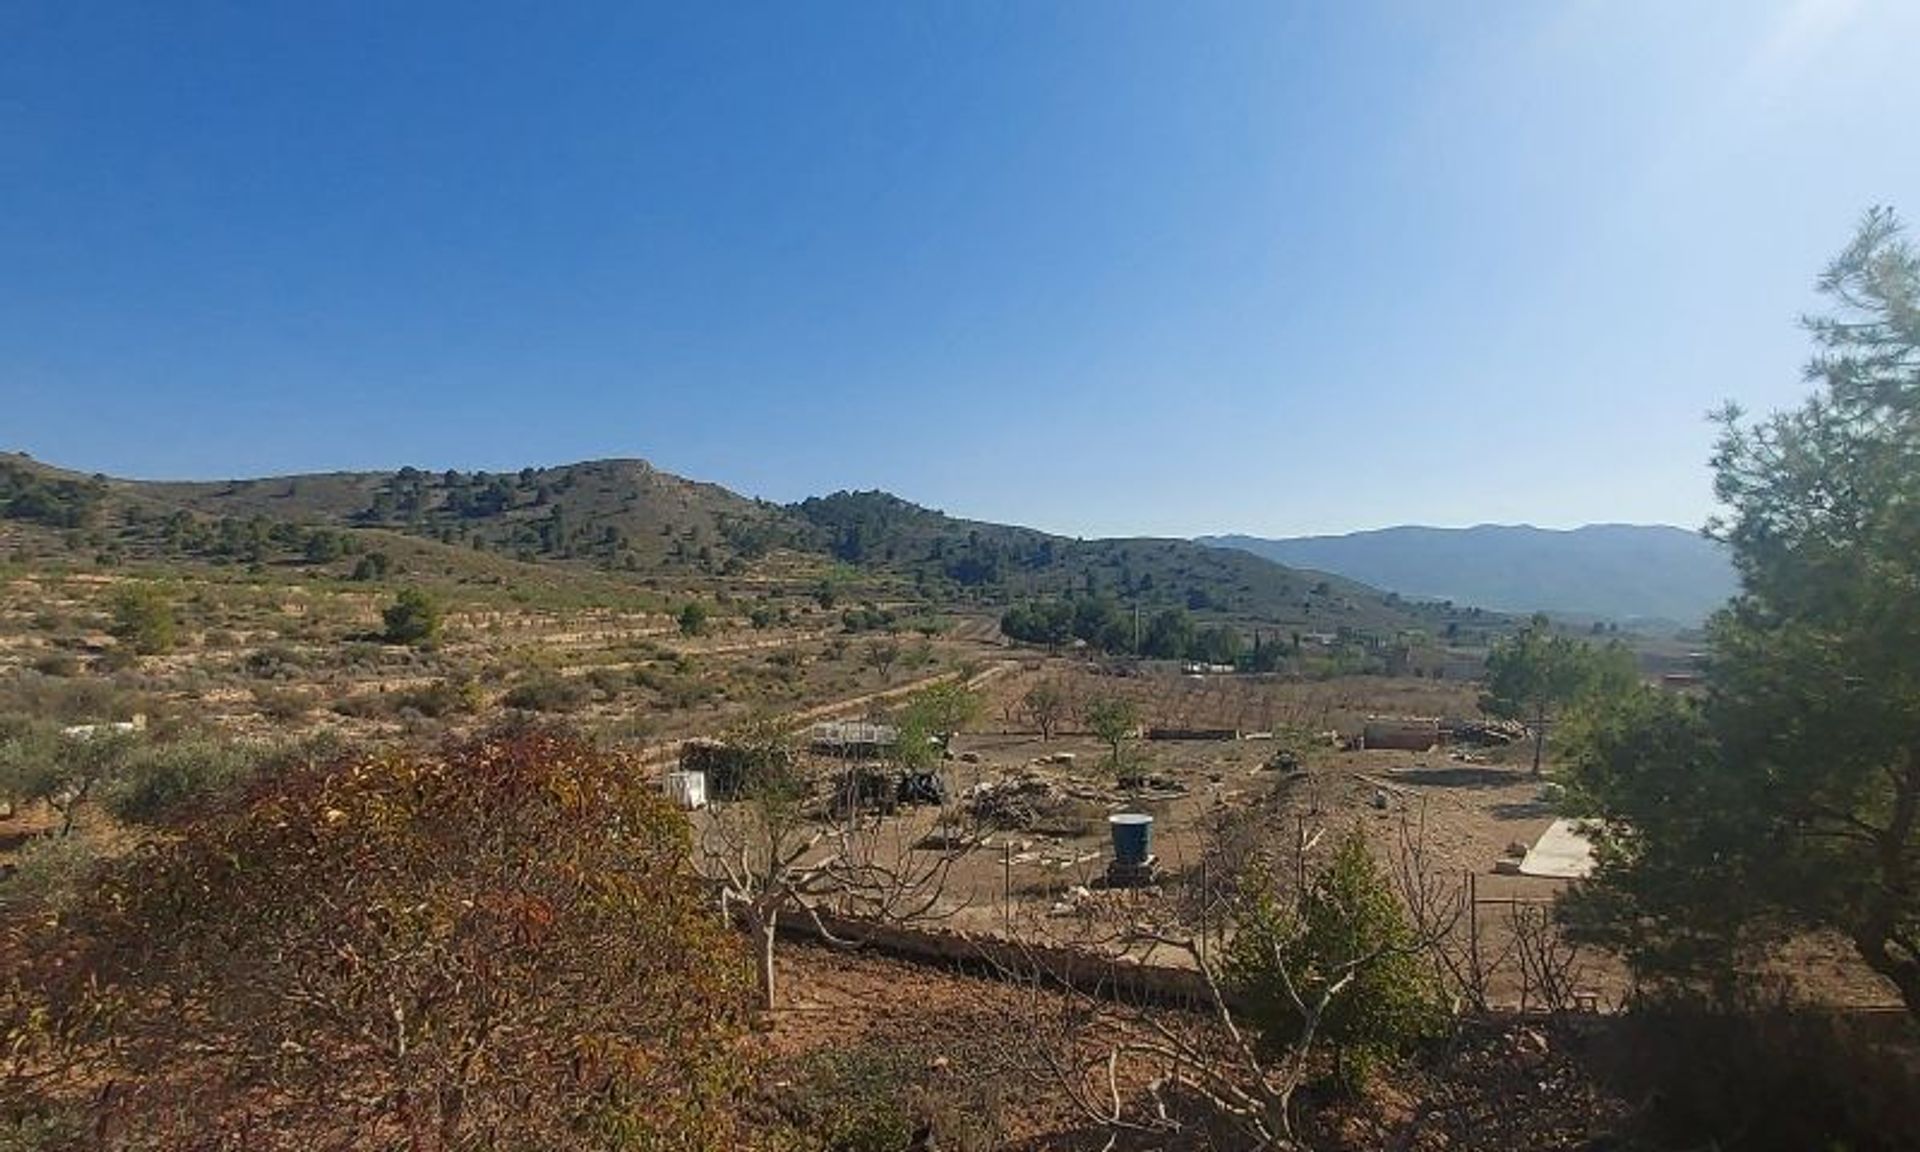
{"type": "Point", "coordinates": [1616, 571]}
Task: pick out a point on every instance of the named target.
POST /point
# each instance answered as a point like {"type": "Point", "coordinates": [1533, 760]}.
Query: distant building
{"type": "Point", "coordinates": [1409, 733]}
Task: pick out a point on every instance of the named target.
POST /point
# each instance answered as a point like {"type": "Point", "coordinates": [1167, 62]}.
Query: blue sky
{"type": "Point", "coordinates": [1097, 267]}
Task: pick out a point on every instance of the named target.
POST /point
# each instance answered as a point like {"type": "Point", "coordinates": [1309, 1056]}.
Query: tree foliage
{"type": "Point", "coordinates": [1791, 797]}
{"type": "Point", "coordinates": [412, 618]}
{"type": "Point", "coordinates": [1535, 674]}
{"type": "Point", "coordinates": [143, 618]}
{"type": "Point", "coordinates": [497, 946]}
{"type": "Point", "coordinates": [38, 763]}
{"type": "Point", "coordinates": [1114, 719]}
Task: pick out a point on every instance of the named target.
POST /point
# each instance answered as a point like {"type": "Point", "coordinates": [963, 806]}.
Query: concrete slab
{"type": "Point", "coordinates": [1561, 853]}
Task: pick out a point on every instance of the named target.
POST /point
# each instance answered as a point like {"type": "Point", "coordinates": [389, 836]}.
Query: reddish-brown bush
{"type": "Point", "coordinates": [497, 946]}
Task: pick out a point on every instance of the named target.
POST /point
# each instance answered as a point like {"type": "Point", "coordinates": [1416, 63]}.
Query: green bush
{"type": "Point", "coordinates": [154, 780]}
{"type": "Point", "coordinates": [413, 618]}
{"type": "Point", "coordinates": [48, 872]}
{"type": "Point", "coordinates": [143, 619]}
{"type": "Point", "coordinates": [285, 705]}
{"type": "Point", "coordinates": [442, 698]}
{"type": "Point", "coordinates": [853, 1099]}
{"type": "Point", "coordinates": [44, 1131]}
{"type": "Point", "coordinates": [547, 693]}
{"type": "Point", "coordinates": [1346, 920]}
{"type": "Point", "coordinates": [874, 1096]}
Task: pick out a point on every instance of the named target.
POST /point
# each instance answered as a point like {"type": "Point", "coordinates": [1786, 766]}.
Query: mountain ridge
{"type": "Point", "coordinates": [1611, 570]}
{"type": "Point", "coordinates": [635, 521]}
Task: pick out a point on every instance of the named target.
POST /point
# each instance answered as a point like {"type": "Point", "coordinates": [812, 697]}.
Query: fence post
{"type": "Point", "coordinates": [1473, 936]}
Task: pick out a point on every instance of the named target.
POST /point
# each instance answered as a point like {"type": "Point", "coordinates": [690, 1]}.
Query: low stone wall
{"type": "Point", "coordinates": [1084, 970]}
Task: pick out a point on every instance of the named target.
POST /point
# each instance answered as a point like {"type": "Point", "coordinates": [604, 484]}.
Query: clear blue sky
{"type": "Point", "coordinates": [1096, 267]}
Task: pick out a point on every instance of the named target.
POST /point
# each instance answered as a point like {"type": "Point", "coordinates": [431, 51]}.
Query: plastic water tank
{"type": "Point", "coordinates": [1132, 836]}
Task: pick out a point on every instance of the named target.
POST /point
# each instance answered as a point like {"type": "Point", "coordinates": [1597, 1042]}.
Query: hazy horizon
{"type": "Point", "coordinates": [1164, 272]}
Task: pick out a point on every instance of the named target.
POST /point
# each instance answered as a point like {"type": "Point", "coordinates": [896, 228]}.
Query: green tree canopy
{"type": "Point", "coordinates": [1791, 797]}
{"type": "Point", "coordinates": [1113, 719]}
{"type": "Point", "coordinates": [412, 618]}
{"type": "Point", "coordinates": [143, 618]}
{"type": "Point", "coordinates": [1535, 674]}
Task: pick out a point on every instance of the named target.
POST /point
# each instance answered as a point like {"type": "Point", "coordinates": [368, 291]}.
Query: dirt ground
{"type": "Point", "coordinates": [1471, 813]}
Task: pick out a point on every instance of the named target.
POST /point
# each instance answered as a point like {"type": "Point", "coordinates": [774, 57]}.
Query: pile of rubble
{"type": "Point", "coordinates": [1482, 732]}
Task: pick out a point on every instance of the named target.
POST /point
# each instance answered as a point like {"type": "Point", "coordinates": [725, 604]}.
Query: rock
{"type": "Point", "coordinates": [969, 757]}
{"type": "Point", "coordinates": [1380, 799]}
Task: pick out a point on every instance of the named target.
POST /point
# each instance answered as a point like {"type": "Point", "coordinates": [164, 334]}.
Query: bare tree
{"type": "Point", "coordinates": [882, 655]}
{"type": "Point", "coordinates": [844, 868]}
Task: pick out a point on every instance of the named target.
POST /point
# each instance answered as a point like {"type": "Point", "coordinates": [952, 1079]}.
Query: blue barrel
{"type": "Point", "coordinates": [1132, 837]}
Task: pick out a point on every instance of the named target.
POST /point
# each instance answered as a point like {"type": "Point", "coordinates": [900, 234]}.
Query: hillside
{"type": "Point", "coordinates": [1616, 571]}
{"type": "Point", "coordinates": [952, 558]}
{"type": "Point", "coordinates": [622, 514]}
{"type": "Point", "coordinates": [625, 518]}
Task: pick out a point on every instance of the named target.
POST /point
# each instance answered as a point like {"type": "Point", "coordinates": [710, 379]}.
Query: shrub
{"type": "Point", "coordinates": [57, 664]}
{"type": "Point", "coordinates": [875, 1095]}
{"type": "Point", "coordinates": [48, 873]}
{"type": "Point", "coordinates": [461, 695]}
{"type": "Point", "coordinates": [1765, 1075]}
{"type": "Point", "coordinates": [143, 619]}
{"type": "Point", "coordinates": [548, 692]}
{"type": "Point", "coordinates": [283, 704]}
{"type": "Point", "coordinates": [276, 662]}
{"type": "Point", "coordinates": [412, 618]}
{"type": "Point", "coordinates": [495, 946]}
{"type": "Point", "coordinates": [1347, 919]}
{"type": "Point", "coordinates": [43, 1131]}
{"type": "Point", "coordinates": [853, 1099]}
{"type": "Point", "coordinates": [156, 779]}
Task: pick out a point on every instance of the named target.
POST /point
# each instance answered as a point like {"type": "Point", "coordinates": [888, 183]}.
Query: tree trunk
{"type": "Point", "coordinates": [1539, 736]}
{"type": "Point", "coordinates": [1877, 938]}
{"type": "Point", "coordinates": [765, 928]}
{"type": "Point", "coordinates": [1902, 970]}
